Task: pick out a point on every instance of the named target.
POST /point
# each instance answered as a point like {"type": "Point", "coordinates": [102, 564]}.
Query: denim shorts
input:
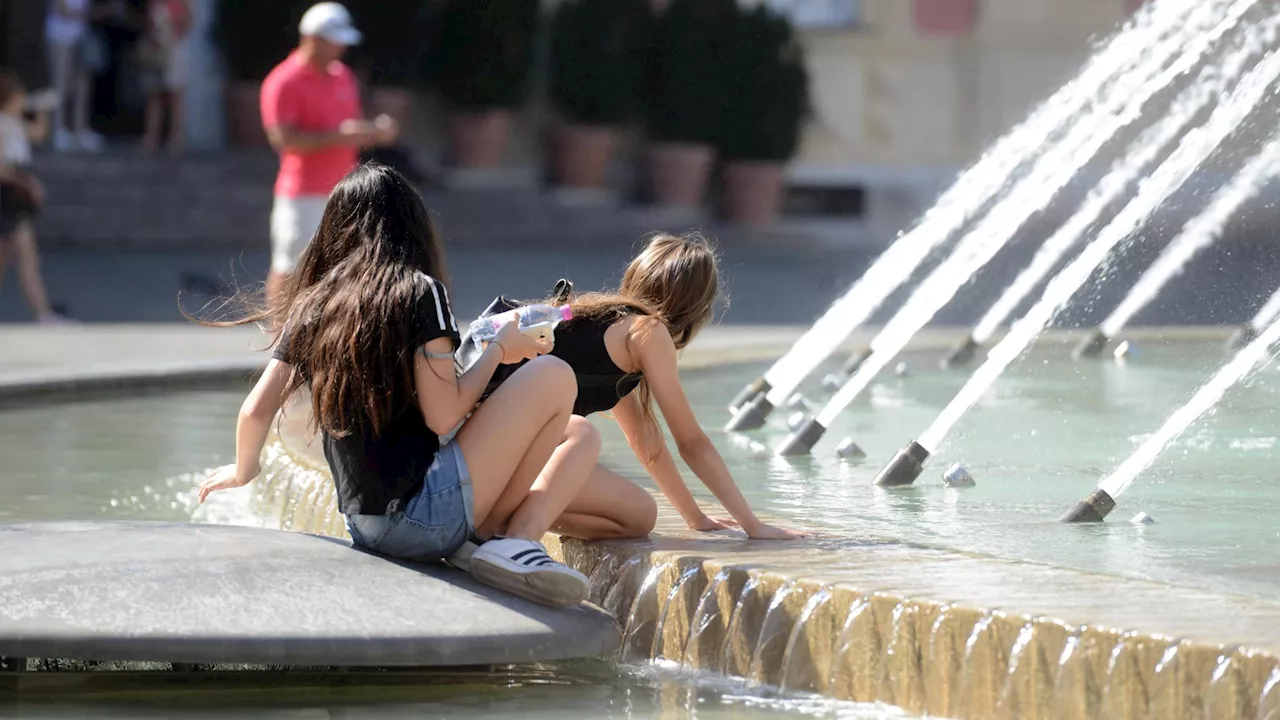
{"type": "Point", "coordinates": [433, 524]}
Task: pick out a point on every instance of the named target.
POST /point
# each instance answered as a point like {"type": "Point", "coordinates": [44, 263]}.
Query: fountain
{"type": "Point", "coordinates": [1195, 147]}
{"type": "Point", "coordinates": [1052, 171]}
{"type": "Point", "coordinates": [1102, 500]}
{"type": "Point", "coordinates": [1246, 333]}
{"type": "Point", "coordinates": [1196, 236]}
{"type": "Point", "coordinates": [1139, 49]}
{"type": "Point", "coordinates": [1123, 173]}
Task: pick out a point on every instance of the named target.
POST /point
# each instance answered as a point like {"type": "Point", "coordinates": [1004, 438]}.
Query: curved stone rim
{"type": "Point", "coordinates": [130, 591]}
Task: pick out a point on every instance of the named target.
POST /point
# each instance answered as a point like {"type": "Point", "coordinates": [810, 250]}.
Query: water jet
{"type": "Point", "coordinates": [961, 354]}
{"type": "Point", "coordinates": [751, 416]}
{"type": "Point", "coordinates": [1093, 509]}
{"type": "Point", "coordinates": [757, 387]}
{"type": "Point", "coordinates": [802, 439]}
{"type": "Point", "coordinates": [1092, 345]}
{"type": "Point", "coordinates": [905, 467]}
{"type": "Point", "coordinates": [1242, 336]}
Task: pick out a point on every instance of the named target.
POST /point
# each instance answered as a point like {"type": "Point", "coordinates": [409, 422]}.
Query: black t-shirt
{"type": "Point", "coordinates": [376, 473]}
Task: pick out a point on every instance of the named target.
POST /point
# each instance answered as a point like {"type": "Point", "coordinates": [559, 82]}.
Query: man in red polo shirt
{"type": "Point", "coordinates": [312, 115]}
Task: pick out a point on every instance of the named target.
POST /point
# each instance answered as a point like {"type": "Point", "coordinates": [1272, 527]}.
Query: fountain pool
{"type": "Point", "coordinates": [1040, 439]}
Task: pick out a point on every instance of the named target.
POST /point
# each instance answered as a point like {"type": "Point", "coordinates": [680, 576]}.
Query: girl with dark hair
{"type": "Point", "coordinates": [368, 328]}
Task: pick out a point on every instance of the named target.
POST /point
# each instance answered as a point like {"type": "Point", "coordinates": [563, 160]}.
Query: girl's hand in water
{"type": "Point", "coordinates": [710, 524]}
{"type": "Point", "coordinates": [765, 531]}
{"type": "Point", "coordinates": [224, 478]}
{"type": "Point", "coordinates": [517, 347]}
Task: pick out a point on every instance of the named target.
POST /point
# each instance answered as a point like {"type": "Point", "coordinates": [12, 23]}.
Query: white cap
{"type": "Point", "coordinates": [331, 21]}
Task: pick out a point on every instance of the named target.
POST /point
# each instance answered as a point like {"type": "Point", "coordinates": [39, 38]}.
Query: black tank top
{"type": "Point", "coordinates": [601, 383]}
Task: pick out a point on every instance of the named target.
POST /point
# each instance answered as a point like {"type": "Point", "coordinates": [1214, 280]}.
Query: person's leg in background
{"type": "Point", "coordinates": [79, 88]}
{"type": "Point", "coordinates": [293, 222]}
{"type": "Point", "coordinates": [22, 243]}
{"type": "Point", "coordinates": [175, 83]}
{"type": "Point", "coordinates": [61, 60]}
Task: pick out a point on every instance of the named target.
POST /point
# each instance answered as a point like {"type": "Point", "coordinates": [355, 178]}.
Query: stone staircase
{"type": "Point", "coordinates": [127, 201]}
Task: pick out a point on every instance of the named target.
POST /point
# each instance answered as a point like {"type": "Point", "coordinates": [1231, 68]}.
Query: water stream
{"type": "Point", "coordinates": [1205, 399]}
{"type": "Point", "coordinates": [1149, 39]}
{"type": "Point", "coordinates": [1198, 235]}
{"type": "Point", "coordinates": [1054, 169]}
{"type": "Point", "coordinates": [1195, 147]}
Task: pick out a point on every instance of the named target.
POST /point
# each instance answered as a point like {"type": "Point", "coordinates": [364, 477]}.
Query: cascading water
{"type": "Point", "coordinates": [1269, 311]}
{"type": "Point", "coordinates": [1195, 147]}
{"type": "Point", "coordinates": [1154, 34]}
{"type": "Point", "coordinates": [1195, 237]}
{"type": "Point", "coordinates": [1209, 394]}
{"type": "Point", "coordinates": [1141, 153]}
{"type": "Point", "coordinates": [1052, 171]}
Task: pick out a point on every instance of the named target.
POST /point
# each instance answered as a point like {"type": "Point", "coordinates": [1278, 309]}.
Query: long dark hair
{"type": "Point", "coordinates": [349, 308]}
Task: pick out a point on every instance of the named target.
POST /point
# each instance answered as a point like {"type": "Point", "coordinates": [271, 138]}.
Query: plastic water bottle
{"type": "Point", "coordinates": [537, 321]}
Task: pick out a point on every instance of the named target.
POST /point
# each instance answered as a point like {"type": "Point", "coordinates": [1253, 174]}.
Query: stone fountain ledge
{"type": "Point", "coordinates": [57, 362]}
{"type": "Point", "coordinates": [935, 632]}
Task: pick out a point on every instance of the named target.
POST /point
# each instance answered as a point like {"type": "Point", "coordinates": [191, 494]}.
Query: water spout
{"type": "Point", "coordinates": [1197, 235]}
{"type": "Point", "coordinates": [1050, 174]}
{"type": "Point", "coordinates": [1195, 147]}
{"type": "Point", "coordinates": [1204, 400]}
{"type": "Point", "coordinates": [905, 466]}
{"type": "Point", "coordinates": [1141, 48]}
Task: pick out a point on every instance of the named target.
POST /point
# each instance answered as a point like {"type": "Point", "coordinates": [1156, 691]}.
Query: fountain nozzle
{"type": "Point", "coordinates": [854, 362]}
{"type": "Point", "coordinates": [905, 466]}
{"type": "Point", "coordinates": [803, 439]}
{"type": "Point", "coordinates": [1091, 346]}
{"type": "Point", "coordinates": [755, 388]}
{"type": "Point", "coordinates": [750, 416]}
{"type": "Point", "coordinates": [961, 354]}
{"type": "Point", "coordinates": [1093, 509]}
{"type": "Point", "coordinates": [1242, 336]}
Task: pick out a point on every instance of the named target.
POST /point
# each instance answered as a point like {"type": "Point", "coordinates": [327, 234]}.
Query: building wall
{"type": "Point", "coordinates": [919, 85]}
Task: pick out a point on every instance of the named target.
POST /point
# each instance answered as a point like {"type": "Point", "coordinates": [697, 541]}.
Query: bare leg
{"type": "Point", "coordinates": [154, 119]}
{"type": "Point", "coordinates": [559, 481]}
{"type": "Point", "coordinates": [510, 438]}
{"type": "Point", "coordinates": [608, 506]}
{"type": "Point", "coordinates": [4, 256]}
{"type": "Point", "coordinates": [23, 239]}
{"type": "Point", "coordinates": [61, 57]}
{"type": "Point", "coordinates": [177, 122]}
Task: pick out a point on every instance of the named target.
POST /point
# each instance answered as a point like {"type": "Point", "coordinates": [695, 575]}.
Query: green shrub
{"type": "Point", "coordinates": [768, 89]}
{"type": "Point", "coordinates": [598, 49]}
{"type": "Point", "coordinates": [480, 52]}
{"type": "Point", "coordinates": [255, 35]}
{"type": "Point", "coordinates": [684, 74]}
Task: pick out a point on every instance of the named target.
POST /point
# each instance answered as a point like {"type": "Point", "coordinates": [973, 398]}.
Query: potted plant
{"type": "Point", "coordinates": [389, 60]}
{"type": "Point", "coordinates": [684, 93]}
{"type": "Point", "coordinates": [480, 59]}
{"type": "Point", "coordinates": [767, 104]}
{"type": "Point", "coordinates": [597, 53]}
{"type": "Point", "coordinates": [252, 43]}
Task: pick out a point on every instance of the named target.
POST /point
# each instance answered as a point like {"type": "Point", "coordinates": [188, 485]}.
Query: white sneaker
{"type": "Point", "coordinates": [461, 558]}
{"type": "Point", "coordinates": [522, 567]}
{"type": "Point", "coordinates": [90, 141]}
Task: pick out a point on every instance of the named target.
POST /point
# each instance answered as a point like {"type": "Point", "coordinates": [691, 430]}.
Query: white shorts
{"type": "Point", "coordinates": [294, 220]}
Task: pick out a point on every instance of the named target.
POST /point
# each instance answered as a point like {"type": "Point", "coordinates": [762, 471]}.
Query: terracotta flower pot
{"type": "Point", "coordinates": [580, 154]}
{"type": "Point", "coordinates": [678, 173]}
{"type": "Point", "coordinates": [244, 115]}
{"type": "Point", "coordinates": [478, 139]}
{"type": "Point", "coordinates": [753, 191]}
{"type": "Point", "coordinates": [394, 101]}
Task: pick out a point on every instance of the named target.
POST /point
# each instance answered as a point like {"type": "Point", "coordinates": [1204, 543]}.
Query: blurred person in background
{"type": "Point", "coordinates": [21, 193]}
{"type": "Point", "coordinates": [163, 52]}
{"type": "Point", "coordinates": [312, 113]}
{"type": "Point", "coordinates": [76, 52]}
